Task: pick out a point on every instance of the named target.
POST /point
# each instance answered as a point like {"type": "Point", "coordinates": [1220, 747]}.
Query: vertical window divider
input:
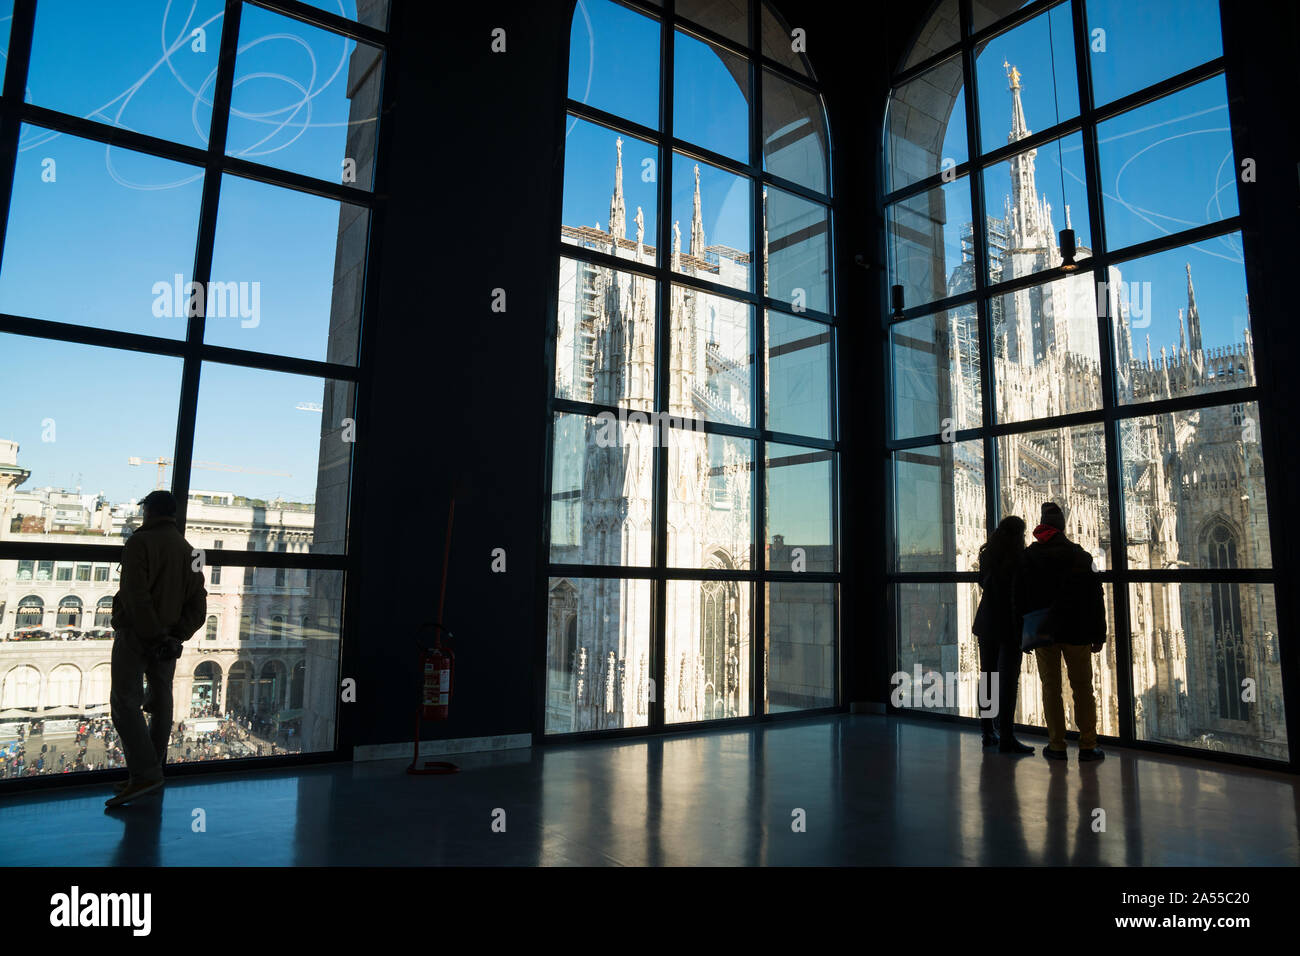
{"type": "Point", "coordinates": [22, 26]}
{"type": "Point", "coordinates": [758, 407]}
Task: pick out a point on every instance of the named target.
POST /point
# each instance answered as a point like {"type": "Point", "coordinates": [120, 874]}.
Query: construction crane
{"type": "Point", "coordinates": [162, 464]}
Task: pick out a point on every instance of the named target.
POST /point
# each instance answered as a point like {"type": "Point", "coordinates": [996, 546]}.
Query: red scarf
{"type": "Point", "coordinates": [1044, 532]}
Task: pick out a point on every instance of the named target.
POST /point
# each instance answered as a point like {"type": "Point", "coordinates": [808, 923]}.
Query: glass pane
{"type": "Point", "coordinates": [718, 211]}
{"type": "Point", "coordinates": [137, 64]}
{"type": "Point", "coordinates": [285, 444]}
{"type": "Point", "coordinates": [6, 22]}
{"type": "Point", "coordinates": [1145, 41]}
{"type": "Point", "coordinates": [799, 653]}
{"type": "Point", "coordinates": [938, 657]}
{"type": "Point", "coordinates": [596, 191]}
{"type": "Point", "coordinates": [598, 669]}
{"type": "Point", "coordinates": [1064, 465]}
{"type": "Point", "coordinates": [287, 271]}
{"type": "Point", "coordinates": [711, 97]}
{"type": "Point", "coordinates": [1207, 669]}
{"type": "Point", "coordinates": [797, 236]}
{"type": "Point", "coordinates": [929, 243]}
{"type": "Point", "coordinates": [706, 667]}
{"type": "Point", "coordinates": [939, 506]}
{"type": "Point", "coordinates": [936, 372]}
{"type": "Point", "coordinates": [68, 453]}
{"type": "Point", "coordinates": [798, 380]}
{"type": "Point", "coordinates": [710, 495]}
{"type": "Point", "coordinates": [372, 13]}
{"type": "Point", "coordinates": [779, 44]}
{"type": "Point", "coordinates": [1026, 211]}
{"type": "Point", "coordinates": [799, 530]}
{"type": "Point", "coordinates": [794, 133]}
{"type": "Point", "coordinates": [985, 13]}
{"type": "Point", "coordinates": [228, 699]}
{"type": "Point", "coordinates": [730, 18]}
{"type": "Point", "coordinates": [927, 125]}
{"type": "Point", "coordinates": [1194, 493]}
{"type": "Point", "coordinates": [614, 61]}
{"type": "Point", "coordinates": [123, 223]}
{"type": "Point", "coordinates": [1045, 344]}
{"type": "Point", "coordinates": [941, 31]}
{"type": "Point", "coordinates": [1168, 166]}
{"type": "Point", "coordinates": [712, 346]}
{"type": "Point", "coordinates": [304, 99]}
{"type": "Point", "coordinates": [1027, 75]}
{"type": "Point", "coordinates": [602, 489]}
{"type": "Point", "coordinates": [1191, 304]}
{"type": "Point", "coordinates": [605, 336]}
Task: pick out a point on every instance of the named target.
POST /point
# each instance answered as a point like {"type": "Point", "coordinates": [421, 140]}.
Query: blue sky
{"type": "Point", "coordinates": [89, 246]}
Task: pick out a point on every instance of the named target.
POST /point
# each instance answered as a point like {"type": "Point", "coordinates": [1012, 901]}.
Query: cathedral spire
{"type": "Point", "coordinates": [617, 211]}
{"type": "Point", "coordinates": [1193, 314]}
{"type": "Point", "coordinates": [1019, 128]}
{"type": "Point", "coordinates": [1182, 335]}
{"type": "Point", "coordinates": [677, 246]}
{"type": "Point", "coordinates": [697, 220]}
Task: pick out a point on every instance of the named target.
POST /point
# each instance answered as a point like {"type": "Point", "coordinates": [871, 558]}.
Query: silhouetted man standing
{"type": "Point", "coordinates": [160, 603]}
{"type": "Point", "coordinates": [1056, 574]}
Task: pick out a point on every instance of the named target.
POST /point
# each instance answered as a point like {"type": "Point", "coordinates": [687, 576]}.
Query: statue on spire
{"type": "Point", "coordinates": [617, 211]}
{"type": "Point", "coordinates": [697, 220]}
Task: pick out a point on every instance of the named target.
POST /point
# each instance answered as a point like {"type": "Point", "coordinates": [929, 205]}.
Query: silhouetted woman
{"type": "Point", "coordinates": [998, 629]}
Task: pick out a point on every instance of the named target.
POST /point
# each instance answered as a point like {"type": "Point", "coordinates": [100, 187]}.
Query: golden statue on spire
{"type": "Point", "coordinates": [1013, 74]}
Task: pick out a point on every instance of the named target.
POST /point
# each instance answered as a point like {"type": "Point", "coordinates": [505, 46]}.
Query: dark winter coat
{"type": "Point", "coordinates": [995, 619]}
{"type": "Point", "coordinates": [161, 592]}
{"type": "Point", "coordinates": [1058, 574]}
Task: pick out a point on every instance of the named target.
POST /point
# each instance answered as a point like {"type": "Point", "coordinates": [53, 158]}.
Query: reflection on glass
{"type": "Point", "coordinates": [285, 442]}
{"type": "Point", "coordinates": [287, 271]}
{"type": "Point", "coordinates": [596, 190]}
{"type": "Point", "coordinates": [710, 495]}
{"type": "Point", "coordinates": [927, 125]}
{"type": "Point", "coordinates": [1189, 308]}
{"type": "Point", "coordinates": [1167, 166]}
{"type": "Point", "coordinates": [936, 368]}
{"type": "Point", "coordinates": [1194, 493]}
{"type": "Point", "coordinates": [598, 667]}
{"type": "Point", "coordinates": [602, 489]}
{"type": "Point", "coordinates": [605, 338]}
{"type": "Point", "coordinates": [143, 66]}
{"type": "Point", "coordinates": [706, 666]}
{"type": "Point", "coordinates": [66, 451]}
{"type": "Point", "coordinates": [800, 646]}
{"type": "Point", "coordinates": [123, 223]}
{"type": "Point", "coordinates": [939, 506]}
{"type": "Point", "coordinates": [799, 533]}
{"type": "Point", "coordinates": [985, 13]}
{"type": "Point", "coordinates": [304, 99]}
{"type": "Point", "coordinates": [372, 13]}
{"type": "Point", "coordinates": [794, 133]}
{"type": "Point", "coordinates": [797, 251]}
{"type": "Point", "coordinates": [614, 61]}
{"type": "Point", "coordinates": [712, 357]}
{"type": "Point", "coordinates": [1045, 350]}
{"type": "Point", "coordinates": [1147, 41]}
{"type": "Point", "coordinates": [718, 211]}
{"type": "Point", "coordinates": [929, 242]}
{"type": "Point", "coordinates": [1207, 668]}
{"type": "Point", "coordinates": [1026, 211]}
{"type": "Point", "coordinates": [779, 44]}
{"type": "Point", "coordinates": [710, 97]}
{"type": "Point", "coordinates": [1035, 61]}
{"type": "Point", "coordinates": [798, 380]}
{"type": "Point", "coordinates": [730, 18]}
{"type": "Point", "coordinates": [259, 679]}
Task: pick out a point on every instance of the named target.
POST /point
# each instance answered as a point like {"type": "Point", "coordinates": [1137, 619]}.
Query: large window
{"type": "Point", "coordinates": [212, 197]}
{"type": "Point", "coordinates": [1120, 384]}
{"type": "Point", "coordinates": [693, 507]}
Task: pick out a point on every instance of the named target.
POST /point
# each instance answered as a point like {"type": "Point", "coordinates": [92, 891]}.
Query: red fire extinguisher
{"type": "Point", "coordinates": [439, 664]}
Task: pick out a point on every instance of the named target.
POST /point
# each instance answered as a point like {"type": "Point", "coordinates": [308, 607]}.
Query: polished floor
{"type": "Point", "coordinates": [867, 789]}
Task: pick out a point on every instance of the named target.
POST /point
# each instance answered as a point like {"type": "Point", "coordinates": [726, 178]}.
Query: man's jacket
{"type": "Point", "coordinates": [1058, 574]}
{"type": "Point", "coordinates": [159, 593]}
